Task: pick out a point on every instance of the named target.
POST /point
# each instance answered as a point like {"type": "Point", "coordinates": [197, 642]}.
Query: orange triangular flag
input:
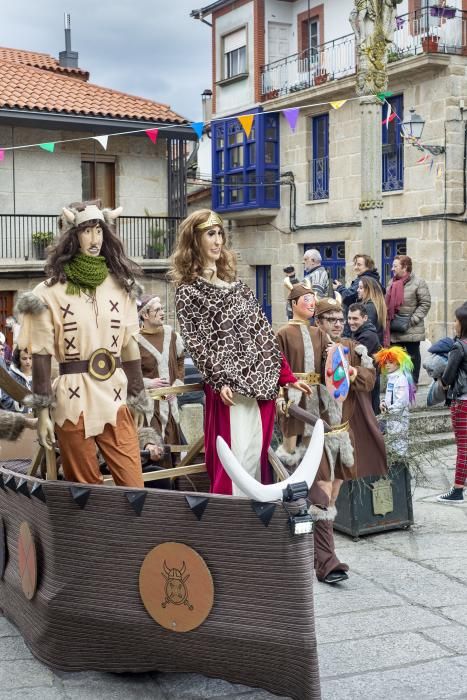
{"type": "Point", "coordinates": [246, 120]}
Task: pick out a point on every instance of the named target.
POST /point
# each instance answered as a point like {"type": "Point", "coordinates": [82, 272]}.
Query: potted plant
{"type": "Point", "coordinates": [430, 44]}
{"type": "Point", "coordinates": [40, 241]}
{"type": "Point", "coordinates": [156, 243]}
{"type": "Point", "coordinates": [321, 78]}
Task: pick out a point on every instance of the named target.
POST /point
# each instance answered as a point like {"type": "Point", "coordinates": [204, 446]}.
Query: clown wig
{"type": "Point", "coordinates": [401, 357]}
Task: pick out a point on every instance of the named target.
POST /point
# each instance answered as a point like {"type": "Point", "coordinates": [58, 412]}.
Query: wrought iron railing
{"type": "Point", "coordinates": [431, 29]}
{"type": "Point", "coordinates": [25, 237]}
{"type": "Point", "coordinates": [319, 178]}
{"type": "Point", "coordinates": [393, 167]}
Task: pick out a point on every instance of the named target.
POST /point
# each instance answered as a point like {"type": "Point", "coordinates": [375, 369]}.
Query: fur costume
{"type": "Point", "coordinates": [11, 425]}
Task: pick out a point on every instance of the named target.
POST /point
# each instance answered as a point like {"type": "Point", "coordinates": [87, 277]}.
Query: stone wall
{"type": "Point", "coordinates": [44, 182]}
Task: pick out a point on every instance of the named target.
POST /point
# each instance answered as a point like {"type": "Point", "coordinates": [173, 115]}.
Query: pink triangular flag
{"type": "Point", "coordinates": [102, 140]}
{"type": "Point", "coordinates": [152, 134]}
{"type": "Point", "coordinates": [2, 154]}
{"type": "Point", "coordinates": [291, 115]}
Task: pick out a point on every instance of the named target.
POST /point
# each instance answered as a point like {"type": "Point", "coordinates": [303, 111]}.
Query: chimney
{"type": "Point", "coordinates": [206, 99]}
{"type": "Point", "coordinates": [68, 58]}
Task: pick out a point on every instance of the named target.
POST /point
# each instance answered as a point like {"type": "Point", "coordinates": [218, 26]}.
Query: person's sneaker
{"type": "Point", "coordinates": [455, 496]}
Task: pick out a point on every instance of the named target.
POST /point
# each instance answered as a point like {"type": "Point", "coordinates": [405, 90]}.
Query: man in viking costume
{"type": "Point", "coordinates": [162, 362]}
{"type": "Point", "coordinates": [306, 348]}
{"type": "Point", "coordinates": [84, 315]}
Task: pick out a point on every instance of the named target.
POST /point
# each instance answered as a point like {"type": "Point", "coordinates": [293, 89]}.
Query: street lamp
{"type": "Point", "coordinates": [413, 127]}
{"type": "Point", "coordinates": [413, 130]}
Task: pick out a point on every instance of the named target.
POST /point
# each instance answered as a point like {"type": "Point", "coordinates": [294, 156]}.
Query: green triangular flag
{"type": "Point", "coordinates": [48, 146]}
{"type": "Point", "coordinates": [382, 95]}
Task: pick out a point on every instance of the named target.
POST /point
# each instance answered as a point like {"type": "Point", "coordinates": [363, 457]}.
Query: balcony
{"type": "Point", "coordinates": [431, 30]}
{"type": "Point", "coordinates": [25, 237]}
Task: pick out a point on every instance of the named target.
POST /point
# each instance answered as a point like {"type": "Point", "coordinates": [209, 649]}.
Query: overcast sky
{"type": "Point", "coordinates": [153, 49]}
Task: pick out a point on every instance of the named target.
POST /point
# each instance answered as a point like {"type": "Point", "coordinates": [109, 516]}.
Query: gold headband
{"type": "Point", "coordinates": [212, 220]}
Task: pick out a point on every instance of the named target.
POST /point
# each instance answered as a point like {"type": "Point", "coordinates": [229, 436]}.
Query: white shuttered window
{"type": "Point", "coordinates": [234, 46]}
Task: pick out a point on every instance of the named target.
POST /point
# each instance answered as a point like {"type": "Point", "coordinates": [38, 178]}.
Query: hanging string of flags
{"type": "Point", "coordinates": [291, 115]}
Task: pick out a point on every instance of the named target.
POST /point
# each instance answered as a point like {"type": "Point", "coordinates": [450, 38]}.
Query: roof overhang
{"type": "Point", "coordinates": [209, 9]}
{"type": "Point", "coordinates": [40, 119]}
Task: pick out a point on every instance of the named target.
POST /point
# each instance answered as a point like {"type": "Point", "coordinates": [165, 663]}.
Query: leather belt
{"type": "Point", "coordinates": [309, 377]}
{"type": "Point", "coordinates": [101, 365]}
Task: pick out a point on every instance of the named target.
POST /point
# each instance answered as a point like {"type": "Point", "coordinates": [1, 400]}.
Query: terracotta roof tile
{"type": "Point", "coordinates": [39, 60]}
{"type": "Point", "coordinates": [31, 80]}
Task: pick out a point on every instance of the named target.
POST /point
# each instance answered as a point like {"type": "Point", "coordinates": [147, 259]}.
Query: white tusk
{"type": "Point", "coordinates": [306, 470]}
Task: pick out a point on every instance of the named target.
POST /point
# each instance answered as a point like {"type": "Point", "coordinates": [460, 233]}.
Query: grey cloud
{"type": "Point", "coordinates": [151, 49]}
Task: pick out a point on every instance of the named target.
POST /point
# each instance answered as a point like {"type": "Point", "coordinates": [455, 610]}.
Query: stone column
{"type": "Point", "coordinates": [373, 22]}
{"type": "Point", "coordinates": [371, 199]}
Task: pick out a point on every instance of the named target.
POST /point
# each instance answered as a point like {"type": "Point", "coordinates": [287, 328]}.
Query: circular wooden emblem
{"type": "Point", "coordinates": [27, 561]}
{"type": "Point", "coordinates": [176, 587]}
{"type": "Point", "coordinates": [2, 548]}
{"type": "Point", "coordinates": [101, 365]}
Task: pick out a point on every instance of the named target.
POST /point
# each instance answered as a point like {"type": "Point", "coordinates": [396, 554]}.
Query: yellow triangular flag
{"type": "Point", "coordinates": [338, 104]}
{"type": "Point", "coordinates": [246, 120]}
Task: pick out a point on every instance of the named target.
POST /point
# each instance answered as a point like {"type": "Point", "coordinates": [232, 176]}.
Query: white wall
{"type": "Point", "coordinates": [239, 95]}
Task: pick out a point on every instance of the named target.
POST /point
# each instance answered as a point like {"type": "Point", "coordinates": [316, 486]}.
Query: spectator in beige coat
{"type": "Point", "coordinates": [408, 301]}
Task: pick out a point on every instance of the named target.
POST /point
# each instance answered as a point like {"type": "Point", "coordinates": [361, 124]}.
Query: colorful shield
{"type": "Point", "coordinates": [337, 372]}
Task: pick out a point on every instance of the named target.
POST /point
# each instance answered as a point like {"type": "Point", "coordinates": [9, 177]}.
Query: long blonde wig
{"type": "Point", "coordinates": [372, 292]}
{"type": "Point", "coordinates": [187, 262]}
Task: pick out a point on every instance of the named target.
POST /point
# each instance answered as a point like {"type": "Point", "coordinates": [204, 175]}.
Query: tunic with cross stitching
{"type": "Point", "coordinates": [70, 328]}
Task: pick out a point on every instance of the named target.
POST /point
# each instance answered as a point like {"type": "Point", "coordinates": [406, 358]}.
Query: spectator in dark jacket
{"type": "Point", "coordinates": [21, 371]}
{"type": "Point", "coordinates": [363, 266]}
{"type": "Point", "coordinates": [364, 333]}
{"type": "Point", "coordinates": [454, 379]}
{"type": "Point", "coordinates": [371, 296]}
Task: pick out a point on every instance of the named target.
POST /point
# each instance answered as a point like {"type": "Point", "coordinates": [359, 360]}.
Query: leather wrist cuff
{"type": "Point", "coordinates": [41, 371]}
{"type": "Point", "coordinates": [134, 375]}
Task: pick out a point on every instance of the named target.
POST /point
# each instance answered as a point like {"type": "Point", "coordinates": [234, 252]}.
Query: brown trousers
{"type": "Point", "coordinates": [326, 559]}
{"type": "Point", "coordinates": [118, 445]}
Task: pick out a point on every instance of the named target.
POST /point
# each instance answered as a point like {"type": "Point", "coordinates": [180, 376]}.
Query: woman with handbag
{"type": "Point", "coordinates": [408, 301]}
{"type": "Point", "coordinates": [454, 379]}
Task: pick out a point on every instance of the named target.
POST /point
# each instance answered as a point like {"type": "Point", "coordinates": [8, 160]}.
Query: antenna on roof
{"type": "Point", "coordinates": [68, 58]}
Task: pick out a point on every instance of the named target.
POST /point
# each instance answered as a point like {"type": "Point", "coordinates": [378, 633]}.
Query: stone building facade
{"type": "Point", "coordinates": [424, 211]}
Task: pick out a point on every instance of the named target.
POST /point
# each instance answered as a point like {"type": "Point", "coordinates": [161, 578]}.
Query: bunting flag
{"type": "Point", "coordinates": [383, 95]}
{"type": "Point", "coordinates": [50, 147]}
{"type": "Point", "coordinates": [439, 170]}
{"type": "Point", "coordinates": [291, 115]}
{"type": "Point", "coordinates": [102, 140]}
{"type": "Point", "coordinates": [246, 120]}
{"type": "Point", "coordinates": [152, 134]}
{"type": "Point", "coordinates": [423, 158]}
{"type": "Point", "coordinates": [337, 104]}
{"type": "Point", "coordinates": [400, 21]}
{"type": "Point", "coordinates": [390, 116]}
{"type": "Point", "coordinates": [2, 154]}
{"type": "Point", "coordinates": [197, 128]}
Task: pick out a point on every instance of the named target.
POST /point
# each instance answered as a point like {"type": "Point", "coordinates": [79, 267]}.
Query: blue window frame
{"type": "Point", "coordinates": [319, 175]}
{"type": "Point", "coordinates": [246, 169]}
{"type": "Point", "coordinates": [389, 250]}
{"type": "Point", "coordinates": [333, 258]}
{"type": "Point", "coordinates": [393, 147]}
{"type": "Point", "coordinates": [263, 289]}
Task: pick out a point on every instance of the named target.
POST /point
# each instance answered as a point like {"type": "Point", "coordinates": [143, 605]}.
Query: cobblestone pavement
{"type": "Point", "coordinates": [396, 629]}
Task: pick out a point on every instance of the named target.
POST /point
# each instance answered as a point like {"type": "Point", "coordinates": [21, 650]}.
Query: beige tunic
{"type": "Point", "coordinates": [71, 328]}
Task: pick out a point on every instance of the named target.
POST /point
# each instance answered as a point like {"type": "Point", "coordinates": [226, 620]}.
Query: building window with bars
{"type": "Point", "coordinates": [393, 145]}
{"type": "Point", "coordinates": [246, 168]}
{"type": "Point", "coordinates": [234, 50]}
{"type": "Point", "coordinates": [319, 170]}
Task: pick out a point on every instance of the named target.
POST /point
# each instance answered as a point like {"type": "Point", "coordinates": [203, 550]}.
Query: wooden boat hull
{"type": "Point", "coordinates": [87, 612]}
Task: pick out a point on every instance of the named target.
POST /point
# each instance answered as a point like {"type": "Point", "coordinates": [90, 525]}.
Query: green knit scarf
{"type": "Point", "coordinates": [84, 273]}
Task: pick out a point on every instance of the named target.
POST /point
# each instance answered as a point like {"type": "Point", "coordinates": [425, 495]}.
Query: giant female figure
{"type": "Point", "coordinates": [233, 345]}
